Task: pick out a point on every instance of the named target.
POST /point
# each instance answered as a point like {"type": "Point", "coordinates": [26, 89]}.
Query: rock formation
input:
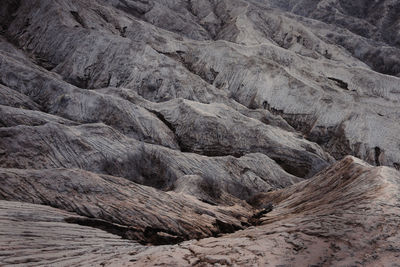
{"type": "Point", "coordinates": [345, 216]}
{"type": "Point", "coordinates": [221, 129]}
{"type": "Point", "coordinates": [33, 235]}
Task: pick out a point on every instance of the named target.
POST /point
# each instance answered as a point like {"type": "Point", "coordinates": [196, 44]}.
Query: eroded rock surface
{"type": "Point", "coordinates": [346, 215]}
{"type": "Point", "coordinates": [130, 210]}
{"type": "Point", "coordinates": [36, 235]}
{"type": "Point", "coordinates": [101, 149]}
{"type": "Point", "coordinates": [164, 121]}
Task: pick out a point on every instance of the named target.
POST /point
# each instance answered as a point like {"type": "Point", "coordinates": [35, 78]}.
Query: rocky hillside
{"type": "Point", "coordinates": [132, 124]}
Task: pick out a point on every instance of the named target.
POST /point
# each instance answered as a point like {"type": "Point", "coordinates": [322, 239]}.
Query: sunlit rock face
{"type": "Point", "coordinates": [226, 123]}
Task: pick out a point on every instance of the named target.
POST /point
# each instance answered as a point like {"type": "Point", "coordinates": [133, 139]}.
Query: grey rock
{"type": "Point", "coordinates": [16, 116]}
{"type": "Point", "coordinates": [266, 76]}
{"type": "Point", "coordinates": [101, 149]}
{"type": "Point", "coordinates": [120, 206]}
{"type": "Point", "coordinates": [83, 106]}
{"type": "Point", "coordinates": [160, 121]}
{"type": "Point", "coordinates": [375, 21]}
{"type": "Point", "coordinates": [217, 130]}
{"type": "Point", "coordinates": [254, 53]}
{"type": "Point", "coordinates": [9, 97]}
{"type": "Point", "coordinates": [263, 115]}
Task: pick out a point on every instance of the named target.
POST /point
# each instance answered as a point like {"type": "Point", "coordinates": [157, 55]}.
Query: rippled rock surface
{"type": "Point", "coordinates": [220, 129]}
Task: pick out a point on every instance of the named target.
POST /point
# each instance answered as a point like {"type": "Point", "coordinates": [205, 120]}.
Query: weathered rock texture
{"type": "Point", "coordinates": [248, 51]}
{"type": "Point", "coordinates": [36, 235]}
{"type": "Point", "coordinates": [101, 149]}
{"type": "Point", "coordinates": [133, 211]}
{"type": "Point", "coordinates": [347, 215]}
{"type": "Point", "coordinates": [163, 121]}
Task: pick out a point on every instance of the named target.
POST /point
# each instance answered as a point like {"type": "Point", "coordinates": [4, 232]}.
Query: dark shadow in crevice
{"type": "Point", "coordinates": [78, 18]}
{"type": "Point", "coordinates": [145, 236]}
{"type": "Point", "coordinates": [377, 154]}
{"type": "Point", "coordinates": [340, 83]}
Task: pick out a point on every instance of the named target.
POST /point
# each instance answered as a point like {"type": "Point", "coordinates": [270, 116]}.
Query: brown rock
{"type": "Point", "coordinates": [346, 215]}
